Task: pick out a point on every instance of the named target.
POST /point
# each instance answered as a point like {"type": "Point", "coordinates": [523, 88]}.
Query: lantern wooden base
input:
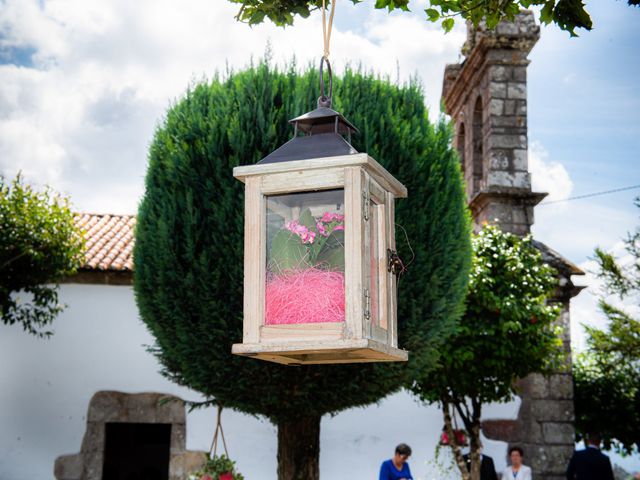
{"type": "Point", "coordinates": [316, 353]}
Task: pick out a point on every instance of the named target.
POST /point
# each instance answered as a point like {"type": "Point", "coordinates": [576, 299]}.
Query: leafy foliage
{"type": "Point", "coordinates": [607, 375]}
{"type": "Point", "coordinates": [38, 246]}
{"type": "Point", "coordinates": [567, 14]}
{"type": "Point", "coordinates": [217, 467]}
{"type": "Point", "coordinates": [188, 252]}
{"type": "Point", "coordinates": [506, 333]}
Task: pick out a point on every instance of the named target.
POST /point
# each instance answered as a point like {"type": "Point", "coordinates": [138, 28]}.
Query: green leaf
{"type": "Point", "coordinates": [307, 219]}
{"type": "Point", "coordinates": [257, 17]}
{"type": "Point", "coordinates": [287, 252]}
{"type": "Point", "coordinates": [332, 252]}
{"type": "Point", "coordinates": [433, 14]}
{"type": "Point", "coordinates": [546, 14]}
{"type": "Point", "coordinates": [447, 24]}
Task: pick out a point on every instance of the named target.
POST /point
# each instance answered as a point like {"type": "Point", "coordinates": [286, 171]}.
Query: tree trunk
{"type": "Point", "coordinates": [475, 444]}
{"type": "Point", "coordinates": [474, 452]}
{"type": "Point", "coordinates": [299, 449]}
{"type": "Point", "coordinates": [453, 444]}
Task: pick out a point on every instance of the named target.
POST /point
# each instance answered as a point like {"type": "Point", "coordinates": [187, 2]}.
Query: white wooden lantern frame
{"type": "Point", "coordinates": [369, 195]}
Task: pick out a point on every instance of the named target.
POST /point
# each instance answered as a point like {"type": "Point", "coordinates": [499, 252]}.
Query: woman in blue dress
{"type": "Point", "coordinates": [397, 468]}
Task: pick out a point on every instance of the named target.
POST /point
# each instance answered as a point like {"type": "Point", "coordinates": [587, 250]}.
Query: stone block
{"type": "Point", "coordinates": [521, 107]}
{"type": "Point", "coordinates": [496, 106]}
{"type": "Point", "coordinates": [561, 386]}
{"type": "Point", "coordinates": [497, 90]}
{"type": "Point", "coordinates": [106, 406]}
{"type": "Point", "coordinates": [523, 214]}
{"type": "Point", "coordinates": [68, 467]}
{"type": "Point", "coordinates": [518, 124]}
{"type": "Point", "coordinates": [94, 437]}
{"type": "Point", "coordinates": [499, 73]}
{"type": "Point", "coordinates": [520, 160]}
{"type": "Point", "coordinates": [500, 159]}
{"type": "Point", "coordinates": [507, 28]}
{"type": "Point", "coordinates": [509, 107]}
{"type": "Point", "coordinates": [503, 430]}
{"type": "Point", "coordinates": [180, 465]}
{"type": "Point", "coordinates": [553, 459]}
{"type": "Point", "coordinates": [502, 178]}
{"type": "Point", "coordinates": [558, 433]}
{"type": "Point", "coordinates": [93, 466]}
{"type": "Point", "coordinates": [508, 141]}
{"type": "Point", "coordinates": [178, 437]}
{"type": "Point", "coordinates": [495, 213]}
{"type": "Point", "coordinates": [535, 385]}
{"type": "Point", "coordinates": [552, 410]}
{"type": "Point", "coordinates": [519, 73]}
{"type": "Point", "coordinates": [517, 90]}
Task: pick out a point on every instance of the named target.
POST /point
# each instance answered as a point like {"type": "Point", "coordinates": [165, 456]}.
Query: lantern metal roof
{"type": "Point", "coordinates": [323, 132]}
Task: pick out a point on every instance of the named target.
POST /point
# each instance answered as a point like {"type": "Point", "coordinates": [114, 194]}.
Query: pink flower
{"type": "Point", "coordinates": [308, 236]}
{"type": "Point", "coordinates": [322, 230]}
{"type": "Point", "coordinates": [225, 476]}
{"type": "Point", "coordinates": [338, 227]}
{"type": "Point", "coordinates": [328, 217]}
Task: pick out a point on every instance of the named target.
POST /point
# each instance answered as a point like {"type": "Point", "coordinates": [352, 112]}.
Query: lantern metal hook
{"type": "Point", "coordinates": [325, 100]}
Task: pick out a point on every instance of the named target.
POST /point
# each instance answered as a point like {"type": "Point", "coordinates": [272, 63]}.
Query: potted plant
{"type": "Point", "coordinates": [217, 468]}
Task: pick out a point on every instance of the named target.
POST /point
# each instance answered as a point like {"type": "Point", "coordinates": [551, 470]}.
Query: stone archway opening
{"type": "Point", "coordinates": [137, 451]}
{"type": "Point", "coordinates": [138, 436]}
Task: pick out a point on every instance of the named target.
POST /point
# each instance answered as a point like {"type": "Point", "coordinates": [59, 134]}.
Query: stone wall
{"type": "Point", "coordinates": [486, 96]}
{"type": "Point", "coordinates": [108, 406]}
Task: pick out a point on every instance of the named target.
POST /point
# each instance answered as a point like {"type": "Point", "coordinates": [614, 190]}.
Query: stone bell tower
{"type": "Point", "coordinates": [486, 97]}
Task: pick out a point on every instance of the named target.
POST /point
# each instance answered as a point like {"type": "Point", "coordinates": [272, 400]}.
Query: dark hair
{"type": "Point", "coordinates": [594, 438]}
{"type": "Point", "coordinates": [516, 449]}
{"type": "Point", "coordinates": [403, 449]}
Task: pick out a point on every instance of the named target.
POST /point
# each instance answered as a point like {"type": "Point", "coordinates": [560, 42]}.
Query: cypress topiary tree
{"type": "Point", "coordinates": [188, 254]}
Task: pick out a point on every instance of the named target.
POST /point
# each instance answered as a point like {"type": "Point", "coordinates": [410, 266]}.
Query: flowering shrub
{"type": "Point", "coordinates": [217, 468]}
{"type": "Point", "coordinates": [460, 436]}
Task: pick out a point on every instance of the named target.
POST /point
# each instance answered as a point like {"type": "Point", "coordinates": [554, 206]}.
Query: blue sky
{"type": "Point", "coordinates": [83, 84]}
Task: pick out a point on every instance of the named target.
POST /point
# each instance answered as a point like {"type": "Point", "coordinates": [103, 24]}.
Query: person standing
{"type": "Point", "coordinates": [590, 463]}
{"type": "Point", "coordinates": [487, 468]}
{"type": "Point", "coordinates": [397, 468]}
{"type": "Point", "coordinates": [517, 470]}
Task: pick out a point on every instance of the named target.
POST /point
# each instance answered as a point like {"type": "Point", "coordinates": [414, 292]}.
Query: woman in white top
{"type": "Point", "coordinates": [517, 471]}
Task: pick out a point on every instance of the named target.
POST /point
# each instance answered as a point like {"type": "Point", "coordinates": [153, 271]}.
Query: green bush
{"type": "Point", "coordinates": [39, 245]}
{"type": "Point", "coordinates": [188, 254]}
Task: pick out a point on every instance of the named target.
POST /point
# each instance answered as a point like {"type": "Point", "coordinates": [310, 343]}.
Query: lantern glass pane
{"type": "Point", "coordinates": [305, 258]}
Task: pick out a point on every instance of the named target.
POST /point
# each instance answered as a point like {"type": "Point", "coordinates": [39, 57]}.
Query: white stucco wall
{"type": "Point", "coordinates": [46, 385]}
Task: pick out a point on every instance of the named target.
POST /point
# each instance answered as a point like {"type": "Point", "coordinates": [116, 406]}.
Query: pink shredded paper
{"type": "Point", "coordinates": [307, 296]}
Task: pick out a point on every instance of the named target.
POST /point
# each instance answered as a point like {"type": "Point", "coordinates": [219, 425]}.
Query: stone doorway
{"type": "Point", "coordinates": [151, 425]}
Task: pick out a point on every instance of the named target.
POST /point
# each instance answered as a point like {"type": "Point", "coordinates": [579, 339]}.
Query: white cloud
{"type": "Point", "coordinates": [548, 175]}
{"type": "Point", "coordinates": [81, 116]}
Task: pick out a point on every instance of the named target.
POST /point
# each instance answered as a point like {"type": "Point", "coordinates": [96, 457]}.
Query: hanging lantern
{"type": "Point", "coordinates": [319, 249]}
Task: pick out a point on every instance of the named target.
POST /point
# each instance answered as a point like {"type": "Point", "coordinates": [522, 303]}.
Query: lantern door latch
{"type": "Point", "coordinates": [366, 205]}
{"type": "Point", "coordinates": [367, 304]}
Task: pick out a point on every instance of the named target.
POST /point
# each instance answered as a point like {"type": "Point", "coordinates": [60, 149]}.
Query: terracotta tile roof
{"type": "Point", "coordinates": [109, 241]}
